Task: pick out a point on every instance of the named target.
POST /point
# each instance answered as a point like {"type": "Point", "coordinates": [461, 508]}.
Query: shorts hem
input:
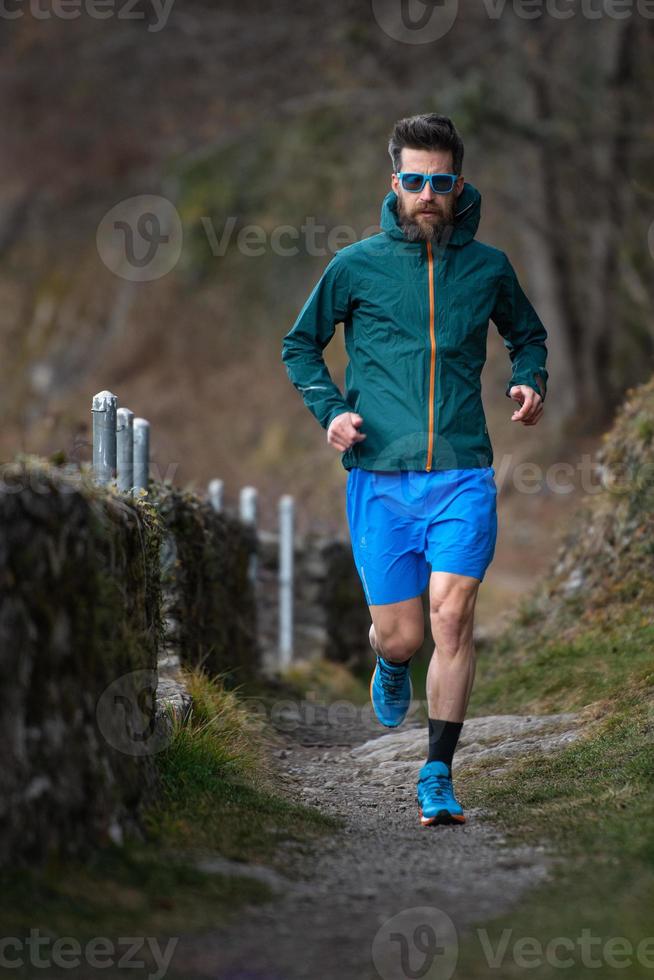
{"type": "Point", "coordinates": [477, 573]}
{"type": "Point", "coordinates": [387, 602]}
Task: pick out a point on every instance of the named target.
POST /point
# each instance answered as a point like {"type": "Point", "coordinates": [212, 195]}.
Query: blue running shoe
{"type": "Point", "coordinates": [435, 795]}
{"type": "Point", "coordinates": [390, 691]}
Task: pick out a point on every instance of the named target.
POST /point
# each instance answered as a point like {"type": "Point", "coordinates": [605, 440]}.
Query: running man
{"type": "Point", "coordinates": [415, 301]}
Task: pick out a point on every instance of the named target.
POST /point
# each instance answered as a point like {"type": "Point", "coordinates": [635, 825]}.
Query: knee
{"type": "Point", "coordinates": [400, 643]}
{"type": "Point", "coordinates": [450, 617]}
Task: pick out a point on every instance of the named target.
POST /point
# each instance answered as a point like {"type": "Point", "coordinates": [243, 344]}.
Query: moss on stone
{"type": "Point", "coordinates": [214, 606]}
{"type": "Point", "coordinates": [81, 609]}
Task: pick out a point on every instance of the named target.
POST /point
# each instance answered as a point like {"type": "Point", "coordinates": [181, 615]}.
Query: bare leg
{"type": "Point", "coordinates": [397, 629]}
{"type": "Point", "coordinates": [452, 666]}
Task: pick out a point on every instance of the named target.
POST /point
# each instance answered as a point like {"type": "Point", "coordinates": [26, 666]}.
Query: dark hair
{"type": "Point", "coordinates": [426, 132]}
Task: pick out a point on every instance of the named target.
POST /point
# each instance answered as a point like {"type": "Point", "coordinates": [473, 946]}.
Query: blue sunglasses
{"type": "Point", "coordinates": [440, 183]}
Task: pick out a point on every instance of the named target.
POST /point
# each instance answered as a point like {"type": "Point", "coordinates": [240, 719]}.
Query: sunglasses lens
{"type": "Point", "coordinates": [442, 183]}
{"type": "Point", "coordinates": [412, 182]}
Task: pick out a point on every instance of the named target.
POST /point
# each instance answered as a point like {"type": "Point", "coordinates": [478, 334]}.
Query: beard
{"type": "Point", "coordinates": [434, 228]}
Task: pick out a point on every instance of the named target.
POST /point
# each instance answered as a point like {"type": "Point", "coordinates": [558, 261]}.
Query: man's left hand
{"type": "Point", "coordinates": [531, 404]}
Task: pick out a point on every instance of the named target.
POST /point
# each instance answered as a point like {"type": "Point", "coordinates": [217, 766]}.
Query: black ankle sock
{"type": "Point", "coordinates": [397, 663]}
{"type": "Point", "coordinates": [443, 736]}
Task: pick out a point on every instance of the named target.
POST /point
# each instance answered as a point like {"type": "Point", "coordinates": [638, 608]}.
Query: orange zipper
{"type": "Point", "coordinates": [432, 366]}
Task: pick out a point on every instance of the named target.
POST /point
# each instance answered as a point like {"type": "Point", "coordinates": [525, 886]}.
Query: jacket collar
{"type": "Point", "coordinates": [466, 218]}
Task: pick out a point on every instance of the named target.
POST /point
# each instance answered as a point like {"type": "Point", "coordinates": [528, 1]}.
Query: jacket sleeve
{"type": "Point", "coordinates": [524, 334]}
{"type": "Point", "coordinates": [302, 347]}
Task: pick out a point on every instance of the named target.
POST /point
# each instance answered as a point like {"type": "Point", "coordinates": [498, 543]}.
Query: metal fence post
{"type": "Point", "coordinates": [248, 514]}
{"type": "Point", "coordinates": [141, 453]}
{"type": "Point", "coordinates": [125, 449]}
{"type": "Point", "coordinates": [216, 494]}
{"type": "Point", "coordinates": [286, 509]}
{"type": "Point", "coordinates": [104, 409]}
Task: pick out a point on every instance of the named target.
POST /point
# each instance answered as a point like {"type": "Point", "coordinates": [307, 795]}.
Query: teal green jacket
{"type": "Point", "coordinates": [415, 318]}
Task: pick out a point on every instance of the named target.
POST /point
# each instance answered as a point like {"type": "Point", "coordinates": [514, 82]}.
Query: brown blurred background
{"type": "Point", "coordinates": [244, 114]}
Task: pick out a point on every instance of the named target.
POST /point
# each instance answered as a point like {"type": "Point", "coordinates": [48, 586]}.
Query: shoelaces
{"type": "Point", "coordinates": [438, 784]}
{"type": "Point", "coordinates": [392, 681]}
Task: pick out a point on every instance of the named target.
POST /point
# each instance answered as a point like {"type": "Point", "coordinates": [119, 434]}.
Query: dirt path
{"type": "Point", "coordinates": [333, 916]}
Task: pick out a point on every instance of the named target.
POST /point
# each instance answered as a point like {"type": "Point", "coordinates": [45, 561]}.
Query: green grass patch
{"type": "Point", "coordinates": [219, 792]}
{"type": "Point", "coordinates": [214, 801]}
{"type": "Point", "coordinates": [121, 891]}
{"type": "Point", "coordinates": [593, 802]}
{"type": "Point", "coordinates": [217, 798]}
{"type": "Point", "coordinates": [326, 681]}
{"type": "Point", "coordinates": [556, 674]}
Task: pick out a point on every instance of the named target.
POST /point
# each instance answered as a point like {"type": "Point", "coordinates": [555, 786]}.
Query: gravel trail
{"type": "Point", "coordinates": [342, 909]}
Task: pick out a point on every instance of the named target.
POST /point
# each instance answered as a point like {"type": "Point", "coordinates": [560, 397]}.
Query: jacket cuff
{"type": "Point", "coordinates": [529, 380]}
{"type": "Point", "coordinates": [339, 410]}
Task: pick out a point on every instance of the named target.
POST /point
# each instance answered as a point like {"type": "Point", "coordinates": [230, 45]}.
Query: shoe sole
{"type": "Point", "coordinates": [442, 817]}
{"type": "Point", "coordinates": [397, 723]}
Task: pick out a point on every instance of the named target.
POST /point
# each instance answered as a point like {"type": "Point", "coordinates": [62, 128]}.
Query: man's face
{"type": "Point", "coordinates": [423, 216]}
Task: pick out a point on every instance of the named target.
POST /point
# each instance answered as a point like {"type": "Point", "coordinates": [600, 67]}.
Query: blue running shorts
{"type": "Point", "coordinates": [406, 524]}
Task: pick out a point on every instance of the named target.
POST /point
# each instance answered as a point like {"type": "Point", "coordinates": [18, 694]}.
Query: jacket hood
{"type": "Point", "coordinates": [466, 218]}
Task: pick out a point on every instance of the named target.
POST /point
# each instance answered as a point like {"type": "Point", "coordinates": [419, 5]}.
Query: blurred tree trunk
{"type": "Point", "coordinates": [575, 146]}
{"type": "Point", "coordinates": [588, 297]}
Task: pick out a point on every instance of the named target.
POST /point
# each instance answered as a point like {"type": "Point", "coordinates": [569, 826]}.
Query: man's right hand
{"type": "Point", "coordinates": [342, 432]}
